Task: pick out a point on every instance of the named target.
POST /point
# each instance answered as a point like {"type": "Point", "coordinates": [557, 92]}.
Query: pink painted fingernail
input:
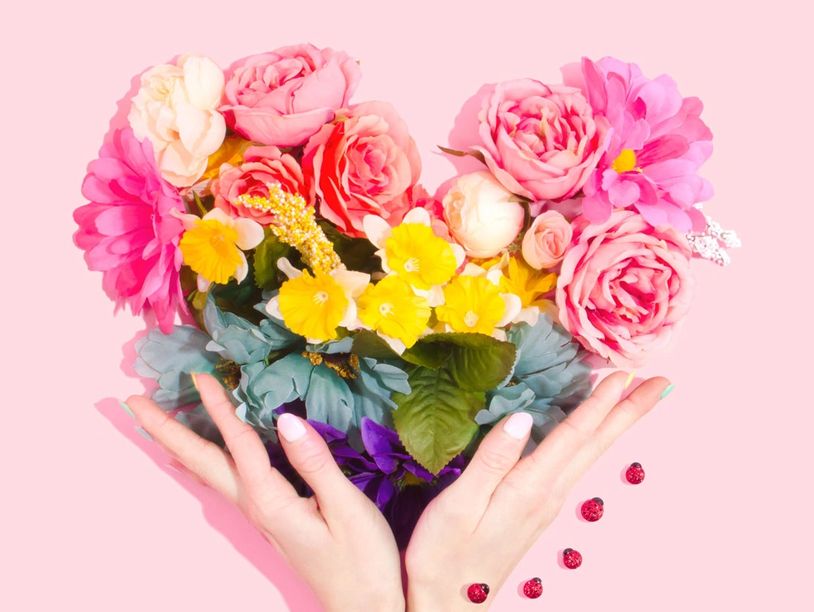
{"type": "Point", "coordinates": [518, 425]}
{"type": "Point", "coordinates": [290, 427]}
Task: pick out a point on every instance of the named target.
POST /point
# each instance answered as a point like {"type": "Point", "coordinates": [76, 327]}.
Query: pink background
{"type": "Point", "coordinates": [91, 519]}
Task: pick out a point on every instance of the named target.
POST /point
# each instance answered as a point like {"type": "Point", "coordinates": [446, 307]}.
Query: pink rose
{"type": "Point", "coordinates": [261, 165]}
{"type": "Point", "coordinates": [624, 286]}
{"type": "Point", "coordinates": [545, 241]}
{"type": "Point", "coordinates": [542, 142]}
{"type": "Point", "coordinates": [282, 98]}
{"type": "Point", "coordinates": [363, 164]}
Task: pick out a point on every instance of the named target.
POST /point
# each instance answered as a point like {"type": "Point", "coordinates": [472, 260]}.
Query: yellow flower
{"type": "Point", "coordinates": [230, 152]}
{"type": "Point", "coordinates": [416, 254]}
{"type": "Point", "coordinates": [472, 304]}
{"type": "Point", "coordinates": [313, 306]}
{"type": "Point", "coordinates": [213, 246]}
{"type": "Point", "coordinates": [413, 251]}
{"type": "Point", "coordinates": [528, 284]}
{"type": "Point", "coordinates": [391, 308]}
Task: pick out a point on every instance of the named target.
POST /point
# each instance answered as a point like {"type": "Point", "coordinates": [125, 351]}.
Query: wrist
{"type": "Point", "coordinates": [378, 602]}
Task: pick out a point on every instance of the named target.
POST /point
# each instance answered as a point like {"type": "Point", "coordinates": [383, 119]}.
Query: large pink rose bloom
{"type": "Point", "coordinates": [658, 144]}
{"type": "Point", "coordinates": [624, 286]}
{"type": "Point", "coordinates": [363, 164]}
{"type": "Point", "coordinates": [542, 142]}
{"type": "Point", "coordinates": [127, 230]}
{"type": "Point", "coordinates": [282, 98]}
{"type": "Point", "coordinates": [261, 166]}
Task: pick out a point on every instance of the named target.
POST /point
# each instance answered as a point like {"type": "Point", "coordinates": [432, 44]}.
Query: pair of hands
{"type": "Point", "coordinates": [476, 530]}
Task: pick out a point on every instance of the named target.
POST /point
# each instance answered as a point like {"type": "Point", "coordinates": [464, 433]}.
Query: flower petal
{"type": "Point", "coordinates": [418, 215]}
{"type": "Point", "coordinates": [376, 229]}
{"type": "Point", "coordinates": [513, 308]}
{"type": "Point", "coordinates": [284, 266]}
{"type": "Point", "coordinates": [249, 233]}
{"type": "Point", "coordinates": [354, 283]}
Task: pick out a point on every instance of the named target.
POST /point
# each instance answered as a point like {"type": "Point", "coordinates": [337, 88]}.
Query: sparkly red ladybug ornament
{"type": "Point", "coordinates": [533, 588]}
{"type": "Point", "coordinates": [478, 592]}
{"type": "Point", "coordinates": [593, 509]}
{"type": "Point", "coordinates": [635, 473]}
{"type": "Point", "coordinates": [571, 558]}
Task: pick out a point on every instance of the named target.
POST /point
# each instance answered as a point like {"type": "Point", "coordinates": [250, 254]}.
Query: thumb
{"type": "Point", "coordinates": [310, 456]}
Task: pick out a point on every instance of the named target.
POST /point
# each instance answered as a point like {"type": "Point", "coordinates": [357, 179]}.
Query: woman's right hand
{"type": "Point", "coordinates": [480, 526]}
{"type": "Point", "coordinates": [337, 540]}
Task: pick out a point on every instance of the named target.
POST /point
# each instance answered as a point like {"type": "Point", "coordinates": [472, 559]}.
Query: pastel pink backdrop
{"type": "Point", "coordinates": [93, 518]}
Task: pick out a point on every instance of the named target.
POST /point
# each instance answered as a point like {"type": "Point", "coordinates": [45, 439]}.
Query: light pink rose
{"type": "Point", "coordinates": [545, 242]}
{"type": "Point", "coordinates": [624, 286]}
{"type": "Point", "coordinates": [363, 164]}
{"type": "Point", "coordinates": [542, 142]}
{"type": "Point", "coordinates": [261, 166]}
{"type": "Point", "coordinates": [282, 98]}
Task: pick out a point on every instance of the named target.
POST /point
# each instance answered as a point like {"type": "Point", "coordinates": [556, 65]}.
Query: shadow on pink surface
{"type": "Point", "coordinates": [220, 514]}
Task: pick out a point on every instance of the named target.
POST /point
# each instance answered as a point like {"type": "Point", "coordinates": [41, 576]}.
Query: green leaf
{"type": "Point", "coordinates": [266, 274]}
{"type": "Point", "coordinates": [427, 354]}
{"type": "Point", "coordinates": [356, 253]}
{"type": "Point", "coordinates": [369, 344]}
{"type": "Point", "coordinates": [457, 153]}
{"type": "Point", "coordinates": [476, 362]}
{"type": "Point", "coordinates": [435, 422]}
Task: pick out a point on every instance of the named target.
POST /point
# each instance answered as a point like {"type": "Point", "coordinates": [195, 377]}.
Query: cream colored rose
{"type": "Point", "coordinates": [176, 109]}
{"type": "Point", "coordinates": [482, 215]}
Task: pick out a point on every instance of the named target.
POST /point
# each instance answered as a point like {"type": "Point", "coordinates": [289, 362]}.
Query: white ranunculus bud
{"type": "Point", "coordinates": [482, 215]}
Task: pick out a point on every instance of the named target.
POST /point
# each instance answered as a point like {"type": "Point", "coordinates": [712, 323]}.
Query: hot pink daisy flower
{"type": "Point", "coordinates": [657, 145]}
{"type": "Point", "coordinates": [127, 231]}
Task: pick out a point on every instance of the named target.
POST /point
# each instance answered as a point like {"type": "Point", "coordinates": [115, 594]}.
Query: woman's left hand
{"type": "Point", "coordinates": [337, 539]}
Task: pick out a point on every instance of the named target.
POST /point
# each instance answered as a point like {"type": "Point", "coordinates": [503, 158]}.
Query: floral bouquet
{"type": "Point", "coordinates": [286, 228]}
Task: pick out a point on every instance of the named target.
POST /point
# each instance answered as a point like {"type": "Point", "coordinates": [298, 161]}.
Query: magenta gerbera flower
{"type": "Point", "coordinates": [658, 143]}
{"type": "Point", "coordinates": [127, 231]}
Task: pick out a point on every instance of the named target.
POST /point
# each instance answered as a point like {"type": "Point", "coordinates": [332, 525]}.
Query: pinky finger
{"type": "Point", "coordinates": [621, 418]}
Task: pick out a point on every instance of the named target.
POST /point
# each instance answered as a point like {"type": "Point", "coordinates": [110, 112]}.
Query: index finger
{"type": "Point", "coordinates": [247, 449]}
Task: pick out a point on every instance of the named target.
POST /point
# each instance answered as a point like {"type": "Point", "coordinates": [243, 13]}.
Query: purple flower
{"type": "Point", "coordinates": [388, 474]}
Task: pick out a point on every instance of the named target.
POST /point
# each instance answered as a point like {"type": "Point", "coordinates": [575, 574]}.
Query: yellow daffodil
{"type": "Point", "coordinates": [313, 306]}
{"type": "Point", "coordinates": [213, 246]}
{"type": "Point", "coordinates": [528, 284]}
{"type": "Point", "coordinates": [475, 304]}
{"type": "Point", "coordinates": [412, 251]}
{"type": "Point", "coordinates": [391, 308]}
{"type": "Point", "coordinates": [317, 306]}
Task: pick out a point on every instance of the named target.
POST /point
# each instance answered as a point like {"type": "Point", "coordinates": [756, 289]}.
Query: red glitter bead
{"type": "Point", "coordinates": [635, 473]}
{"type": "Point", "coordinates": [593, 509]}
{"type": "Point", "coordinates": [533, 588]}
{"type": "Point", "coordinates": [477, 592]}
{"type": "Point", "coordinates": [571, 558]}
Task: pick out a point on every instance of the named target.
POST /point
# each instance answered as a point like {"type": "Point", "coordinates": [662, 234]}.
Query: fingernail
{"type": "Point", "coordinates": [667, 391]}
{"type": "Point", "coordinates": [192, 375]}
{"type": "Point", "coordinates": [630, 378]}
{"type": "Point", "coordinates": [143, 433]}
{"type": "Point", "coordinates": [127, 409]}
{"type": "Point", "coordinates": [291, 428]}
{"type": "Point", "coordinates": [518, 425]}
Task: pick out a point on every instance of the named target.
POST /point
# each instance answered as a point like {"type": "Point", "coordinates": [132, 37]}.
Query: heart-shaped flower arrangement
{"type": "Point", "coordinates": [287, 227]}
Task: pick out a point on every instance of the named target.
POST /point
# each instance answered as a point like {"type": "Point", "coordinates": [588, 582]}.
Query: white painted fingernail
{"type": "Point", "coordinates": [290, 427]}
{"type": "Point", "coordinates": [518, 425]}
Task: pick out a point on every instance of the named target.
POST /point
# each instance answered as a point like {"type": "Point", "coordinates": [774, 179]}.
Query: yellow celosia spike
{"type": "Point", "coordinates": [295, 225]}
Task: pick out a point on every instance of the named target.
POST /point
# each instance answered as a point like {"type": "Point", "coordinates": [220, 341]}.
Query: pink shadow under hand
{"type": "Point", "coordinates": [222, 515]}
